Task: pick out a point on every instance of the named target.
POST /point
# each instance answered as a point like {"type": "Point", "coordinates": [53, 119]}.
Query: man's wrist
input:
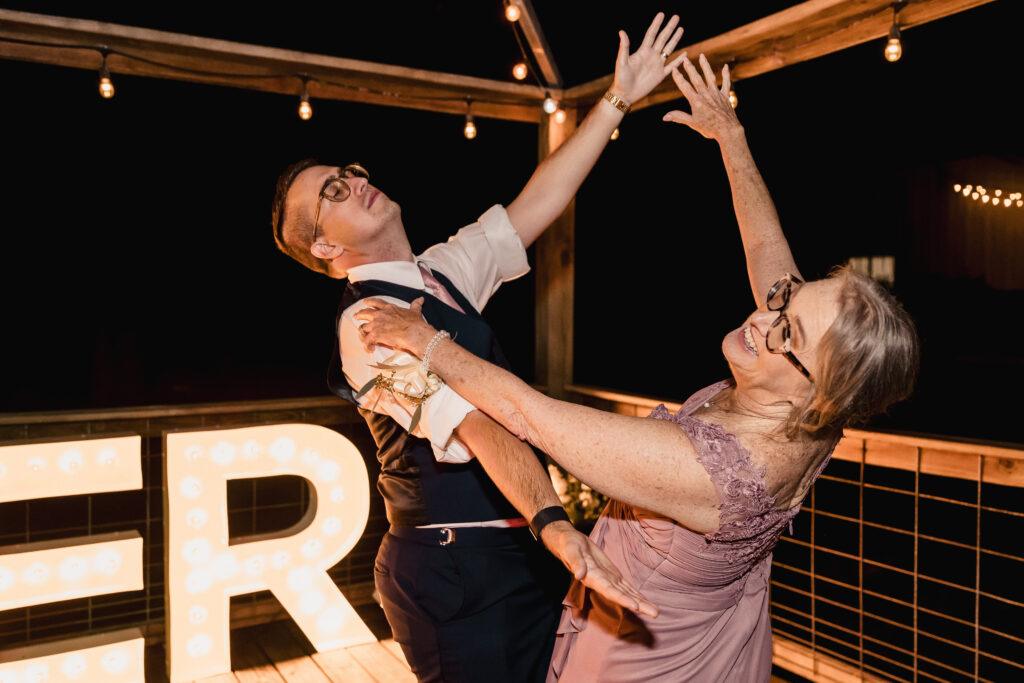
{"type": "Point", "coordinates": [551, 515]}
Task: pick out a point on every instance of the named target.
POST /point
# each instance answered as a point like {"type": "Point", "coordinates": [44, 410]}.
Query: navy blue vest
{"type": "Point", "coordinates": [417, 489]}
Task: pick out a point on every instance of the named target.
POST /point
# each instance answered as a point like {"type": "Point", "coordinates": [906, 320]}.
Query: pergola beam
{"type": "Point", "coordinates": [530, 24]}
{"type": "Point", "coordinates": [811, 29]}
{"type": "Point", "coordinates": [256, 67]}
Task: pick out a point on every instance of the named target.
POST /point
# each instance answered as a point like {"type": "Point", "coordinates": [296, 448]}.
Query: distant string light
{"type": "Point", "coordinates": [550, 104]}
{"type": "Point", "coordinates": [733, 99]}
{"type": "Point", "coordinates": [997, 198]}
{"type": "Point", "coordinates": [615, 134]}
{"type": "Point", "coordinates": [560, 115]}
{"type": "Point", "coordinates": [520, 71]}
{"type": "Point", "coordinates": [893, 47]}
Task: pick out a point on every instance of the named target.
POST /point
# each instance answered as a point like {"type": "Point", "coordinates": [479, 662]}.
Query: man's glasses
{"type": "Point", "coordinates": [780, 338]}
{"type": "Point", "coordinates": [336, 189]}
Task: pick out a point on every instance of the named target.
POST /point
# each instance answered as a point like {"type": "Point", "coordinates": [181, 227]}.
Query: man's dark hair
{"type": "Point", "coordinates": [294, 238]}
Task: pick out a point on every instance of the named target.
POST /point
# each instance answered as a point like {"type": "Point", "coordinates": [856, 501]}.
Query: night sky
{"type": "Point", "coordinates": [138, 265]}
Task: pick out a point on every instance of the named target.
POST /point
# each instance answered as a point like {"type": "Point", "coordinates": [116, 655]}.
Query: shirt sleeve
{"type": "Point", "coordinates": [480, 256]}
{"type": "Point", "coordinates": [442, 412]}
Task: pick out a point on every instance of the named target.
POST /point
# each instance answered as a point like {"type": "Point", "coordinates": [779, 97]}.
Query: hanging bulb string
{"type": "Point", "coordinates": [261, 76]}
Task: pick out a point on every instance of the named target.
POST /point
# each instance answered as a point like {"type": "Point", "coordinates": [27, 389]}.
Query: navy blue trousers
{"type": "Point", "coordinates": [482, 608]}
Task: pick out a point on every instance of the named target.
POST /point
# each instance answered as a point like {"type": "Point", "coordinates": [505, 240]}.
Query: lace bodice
{"type": "Point", "coordinates": [749, 524]}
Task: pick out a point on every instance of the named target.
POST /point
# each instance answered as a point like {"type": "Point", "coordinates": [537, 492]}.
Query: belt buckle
{"type": "Point", "coordinates": [448, 536]}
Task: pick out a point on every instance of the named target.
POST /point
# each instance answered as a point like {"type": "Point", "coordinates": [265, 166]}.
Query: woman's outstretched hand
{"type": "Point", "coordinates": [384, 324]}
{"type": "Point", "coordinates": [639, 73]}
{"type": "Point", "coordinates": [711, 115]}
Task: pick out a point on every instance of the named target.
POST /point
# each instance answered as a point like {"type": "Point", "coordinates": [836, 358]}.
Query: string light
{"type": "Point", "coordinates": [106, 85]}
{"type": "Point", "coordinates": [615, 134]}
{"type": "Point", "coordinates": [305, 108]}
{"type": "Point", "coordinates": [512, 12]}
{"type": "Point", "coordinates": [733, 100]}
{"type": "Point", "coordinates": [470, 128]}
{"type": "Point", "coordinates": [560, 115]}
{"type": "Point", "coordinates": [998, 197]}
{"type": "Point", "coordinates": [894, 48]}
{"type": "Point", "coordinates": [550, 105]}
{"type": "Point", "coordinates": [520, 71]}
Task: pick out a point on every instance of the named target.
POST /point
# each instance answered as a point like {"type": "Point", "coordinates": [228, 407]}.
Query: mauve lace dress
{"type": "Point", "coordinates": [711, 589]}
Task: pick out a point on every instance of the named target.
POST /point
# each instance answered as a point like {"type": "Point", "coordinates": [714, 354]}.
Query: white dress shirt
{"type": "Point", "coordinates": [477, 259]}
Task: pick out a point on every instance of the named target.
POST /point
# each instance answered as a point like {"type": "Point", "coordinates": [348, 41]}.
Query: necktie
{"type": "Point", "coordinates": [437, 289]}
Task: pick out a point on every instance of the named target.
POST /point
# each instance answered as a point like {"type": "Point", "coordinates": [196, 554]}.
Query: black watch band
{"type": "Point", "coordinates": [555, 513]}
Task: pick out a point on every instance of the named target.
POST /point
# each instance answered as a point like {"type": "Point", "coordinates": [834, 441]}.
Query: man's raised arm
{"type": "Point", "coordinates": [556, 180]}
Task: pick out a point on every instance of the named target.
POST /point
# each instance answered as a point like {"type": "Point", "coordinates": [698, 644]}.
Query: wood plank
{"type": "Point", "coordinates": [288, 655]}
{"type": "Point", "coordinates": [811, 29]}
{"type": "Point", "coordinates": [392, 646]}
{"type": "Point", "coordinates": [1004, 471]}
{"type": "Point", "coordinates": [555, 284]}
{"type": "Point", "coordinates": [156, 664]}
{"type": "Point", "coordinates": [542, 54]}
{"type": "Point", "coordinates": [376, 659]}
{"type": "Point", "coordinates": [249, 663]}
{"type": "Point", "coordinates": [341, 667]}
{"type": "Point", "coordinates": [951, 464]}
{"type": "Point", "coordinates": [884, 453]}
{"type": "Point", "coordinates": [221, 678]}
{"type": "Point", "coordinates": [254, 67]}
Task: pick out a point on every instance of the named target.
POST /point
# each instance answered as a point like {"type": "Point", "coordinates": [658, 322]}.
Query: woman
{"type": "Point", "coordinates": [700, 497]}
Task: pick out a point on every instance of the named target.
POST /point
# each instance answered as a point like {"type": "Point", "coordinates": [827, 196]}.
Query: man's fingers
{"type": "Point", "coordinates": [660, 43]}
{"type": "Point", "coordinates": [684, 85]}
{"type": "Point", "coordinates": [726, 79]}
{"type": "Point", "coordinates": [417, 305]}
{"type": "Point", "coordinates": [652, 30]}
{"type": "Point", "coordinates": [678, 117]}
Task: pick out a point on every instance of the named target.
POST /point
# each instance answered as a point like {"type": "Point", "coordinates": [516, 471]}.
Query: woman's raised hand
{"type": "Point", "coordinates": [639, 73]}
{"type": "Point", "coordinates": [711, 115]}
{"type": "Point", "coordinates": [384, 324]}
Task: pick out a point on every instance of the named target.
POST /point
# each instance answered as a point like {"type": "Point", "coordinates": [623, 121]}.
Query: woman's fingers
{"type": "Point", "coordinates": [660, 43]}
{"type": "Point", "coordinates": [652, 30]}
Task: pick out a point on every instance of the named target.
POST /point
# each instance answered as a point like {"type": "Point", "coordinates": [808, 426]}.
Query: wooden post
{"type": "Point", "coordinates": [556, 275]}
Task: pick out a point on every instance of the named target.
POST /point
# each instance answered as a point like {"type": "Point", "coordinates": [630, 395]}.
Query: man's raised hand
{"type": "Point", "coordinates": [639, 73]}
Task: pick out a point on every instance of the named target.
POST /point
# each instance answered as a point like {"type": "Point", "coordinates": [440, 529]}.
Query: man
{"type": "Point", "coordinates": [468, 594]}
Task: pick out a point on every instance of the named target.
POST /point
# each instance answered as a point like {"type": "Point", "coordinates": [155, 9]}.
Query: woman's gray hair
{"type": "Point", "coordinates": [869, 359]}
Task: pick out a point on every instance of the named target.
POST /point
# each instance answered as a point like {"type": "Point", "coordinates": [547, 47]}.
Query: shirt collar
{"type": "Point", "coordinates": [405, 273]}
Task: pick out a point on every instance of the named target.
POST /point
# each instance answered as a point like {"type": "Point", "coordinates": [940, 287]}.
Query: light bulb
{"type": "Point", "coordinates": [999, 193]}
{"type": "Point", "coordinates": [733, 100]}
{"type": "Point", "coordinates": [1006, 202]}
{"type": "Point", "coordinates": [519, 71]}
{"type": "Point", "coordinates": [511, 12]}
{"type": "Point", "coordinates": [560, 116]}
{"type": "Point", "coordinates": [106, 85]}
{"type": "Point", "coordinates": [470, 129]}
{"type": "Point", "coordinates": [893, 48]}
{"type": "Point", "coordinates": [550, 104]}
{"type": "Point", "coordinates": [305, 108]}
{"type": "Point", "coordinates": [615, 134]}
{"type": "Point", "coordinates": [975, 195]}
{"type": "Point", "coordinates": [984, 199]}
{"type": "Point", "coordinates": [956, 188]}
{"type": "Point", "coordinates": [1020, 202]}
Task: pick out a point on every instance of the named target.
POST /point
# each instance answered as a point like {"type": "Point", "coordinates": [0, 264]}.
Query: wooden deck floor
{"type": "Point", "coordinates": [278, 653]}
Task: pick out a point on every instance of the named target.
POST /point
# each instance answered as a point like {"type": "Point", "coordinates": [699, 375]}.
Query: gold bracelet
{"type": "Point", "coordinates": [617, 102]}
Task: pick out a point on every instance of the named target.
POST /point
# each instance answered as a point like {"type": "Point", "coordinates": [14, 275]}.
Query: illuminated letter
{"type": "Point", "coordinates": [49, 571]}
{"type": "Point", "coordinates": [203, 571]}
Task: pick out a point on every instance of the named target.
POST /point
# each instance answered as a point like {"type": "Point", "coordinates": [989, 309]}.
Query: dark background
{"type": "Point", "coordinates": [138, 265]}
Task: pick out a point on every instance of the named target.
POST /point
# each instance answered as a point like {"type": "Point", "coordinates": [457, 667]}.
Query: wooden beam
{"type": "Point", "coordinates": [185, 58]}
{"type": "Point", "coordinates": [556, 275]}
{"type": "Point", "coordinates": [530, 24]}
{"type": "Point", "coordinates": [811, 29]}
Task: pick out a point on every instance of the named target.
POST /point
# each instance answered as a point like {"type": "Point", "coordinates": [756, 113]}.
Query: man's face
{"type": "Point", "coordinates": [354, 223]}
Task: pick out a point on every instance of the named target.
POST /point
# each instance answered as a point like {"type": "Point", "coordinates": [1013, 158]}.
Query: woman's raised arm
{"type": "Point", "coordinates": [647, 463]}
{"type": "Point", "coordinates": [767, 251]}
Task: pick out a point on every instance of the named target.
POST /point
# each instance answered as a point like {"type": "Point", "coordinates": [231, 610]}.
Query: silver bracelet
{"type": "Point", "coordinates": [425, 363]}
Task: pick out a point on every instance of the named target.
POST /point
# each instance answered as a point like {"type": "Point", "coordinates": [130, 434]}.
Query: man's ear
{"type": "Point", "coordinates": [326, 250]}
